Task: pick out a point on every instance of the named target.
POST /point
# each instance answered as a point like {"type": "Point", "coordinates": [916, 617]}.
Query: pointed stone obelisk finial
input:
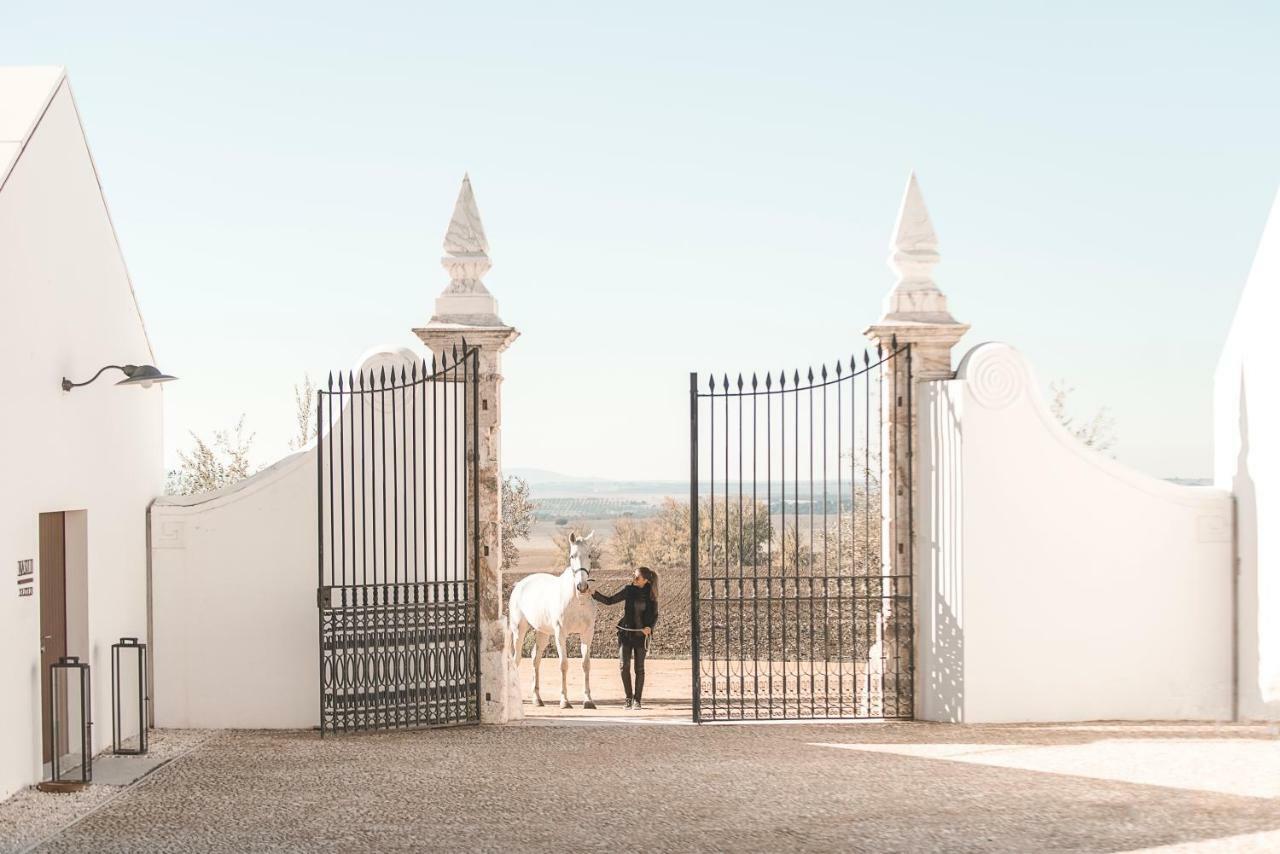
{"type": "Point", "coordinates": [915, 311]}
{"type": "Point", "coordinates": [913, 253]}
{"type": "Point", "coordinates": [466, 233]}
{"type": "Point", "coordinates": [466, 300]}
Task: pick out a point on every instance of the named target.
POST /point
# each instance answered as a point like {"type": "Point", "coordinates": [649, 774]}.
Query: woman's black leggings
{"type": "Point", "coordinates": [632, 645]}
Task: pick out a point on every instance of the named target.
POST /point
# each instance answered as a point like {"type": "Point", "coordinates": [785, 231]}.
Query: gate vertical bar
{"type": "Point", "coordinates": [826, 569]}
{"type": "Point", "coordinates": [768, 500]}
{"type": "Point", "coordinates": [755, 557]}
{"type": "Point", "coordinates": [742, 631]}
{"type": "Point", "coordinates": [398, 487]}
{"type": "Point", "coordinates": [728, 616]}
{"type": "Point", "coordinates": [911, 547]}
{"type": "Point", "coordinates": [320, 596]}
{"type": "Point", "coordinates": [475, 519]}
{"type": "Point", "coordinates": [695, 610]}
{"type": "Point", "coordinates": [795, 489]}
{"type": "Point", "coordinates": [433, 658]}
{"type": "Point", "coordinates": [711, 532]}
{"type": "Point", "coordinates": [839, 541]}
{"type": "Point", "coordinates": [813, 690]}
{"type": "Point", "coordinates": [782, 534]}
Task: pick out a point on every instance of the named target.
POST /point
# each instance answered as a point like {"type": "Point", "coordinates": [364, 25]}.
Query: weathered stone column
{"type": "Point", "coordinates": [917, 323]}
{"type": "Point", "coordinates": [466, 311]}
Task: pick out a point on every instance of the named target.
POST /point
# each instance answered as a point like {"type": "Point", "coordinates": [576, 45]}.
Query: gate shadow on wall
{"type": "Point", "coordinates": [941, 632]}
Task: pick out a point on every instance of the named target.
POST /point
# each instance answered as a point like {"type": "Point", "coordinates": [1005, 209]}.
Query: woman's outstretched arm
{"type": "Point", "coordinates": [609, 600]}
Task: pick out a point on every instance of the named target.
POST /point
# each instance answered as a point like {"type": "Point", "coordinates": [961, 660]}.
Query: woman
{"type": "Point", "coordinates": [639, 616]}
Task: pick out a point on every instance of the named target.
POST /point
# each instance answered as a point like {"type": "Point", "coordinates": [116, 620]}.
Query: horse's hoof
{"type": "Point", "coordinates": [565, 704]}
{"type": "Point", "coordinates": [587, 704]}
{"type": "Point", "coordinates": [537, 701]}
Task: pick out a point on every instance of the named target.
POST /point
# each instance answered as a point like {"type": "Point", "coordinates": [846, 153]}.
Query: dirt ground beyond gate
{"type": "Point", "coordinates": [667, 691]}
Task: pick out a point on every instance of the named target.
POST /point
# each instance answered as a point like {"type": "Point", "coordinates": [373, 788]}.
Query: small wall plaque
{"type": "Point", "coordinates": [26, 575]}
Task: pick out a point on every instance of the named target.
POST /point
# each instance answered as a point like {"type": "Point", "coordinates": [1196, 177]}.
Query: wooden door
{"type": "Point", "coordinates": [53, 615]}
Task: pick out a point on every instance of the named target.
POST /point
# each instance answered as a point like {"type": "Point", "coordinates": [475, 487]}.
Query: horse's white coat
{"type": "Point", "coordinates": [559, 606]}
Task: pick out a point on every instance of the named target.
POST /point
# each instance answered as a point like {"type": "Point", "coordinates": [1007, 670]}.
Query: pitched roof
{"type": "Point", "coordinates": [25, 93]}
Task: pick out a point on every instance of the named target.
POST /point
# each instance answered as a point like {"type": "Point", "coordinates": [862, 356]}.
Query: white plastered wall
{"type": "Point", "coordinates": [68, 310]}
{"type": "Point", "coordinates": [235, 575]}
{"type": "Point", "coordinates": [1054, 583]}
{"type": "Point", "coordinates": [1247, 462]}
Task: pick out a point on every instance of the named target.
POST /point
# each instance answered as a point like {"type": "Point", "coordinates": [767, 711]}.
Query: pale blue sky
{"type": "Point", "coordinates": [679, 186]}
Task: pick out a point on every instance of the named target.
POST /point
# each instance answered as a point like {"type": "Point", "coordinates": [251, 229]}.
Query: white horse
{"type": "Point", "coordinates": [559, 605]}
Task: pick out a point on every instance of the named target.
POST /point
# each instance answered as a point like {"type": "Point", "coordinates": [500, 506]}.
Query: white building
{"type": "Point", "coordinates": [80, 466]}
{"type": "Point", "coordinates": [1246, 442]}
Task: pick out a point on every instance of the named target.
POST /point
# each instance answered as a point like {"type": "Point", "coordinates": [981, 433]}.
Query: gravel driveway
{"type": "Point", "coordinates": [556, 786]}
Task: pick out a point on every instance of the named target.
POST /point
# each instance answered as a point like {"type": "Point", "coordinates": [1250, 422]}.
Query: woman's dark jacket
{"type": "Point", "coordinates": [641, 610]}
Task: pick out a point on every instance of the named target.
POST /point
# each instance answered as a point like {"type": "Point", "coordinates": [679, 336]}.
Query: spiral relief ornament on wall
{"type": "Point", "coordinates": [996, 375]}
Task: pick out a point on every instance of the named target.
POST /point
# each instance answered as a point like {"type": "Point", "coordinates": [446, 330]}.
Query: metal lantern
{"type": "Point", "coordinates": [69, 678]}
{"type": "Point", "coordinates": [128, 693]}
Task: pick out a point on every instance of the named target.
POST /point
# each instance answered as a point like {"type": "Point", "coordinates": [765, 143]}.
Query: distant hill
{"type": "Point", "coordinates": [537, 476]}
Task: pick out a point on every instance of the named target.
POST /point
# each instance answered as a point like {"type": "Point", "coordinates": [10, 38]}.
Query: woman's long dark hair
{"type": "Point", "coordinates": [652, 578]}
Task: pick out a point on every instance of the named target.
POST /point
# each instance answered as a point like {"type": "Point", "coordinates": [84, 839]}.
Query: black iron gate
{"type": "Point", "coordinates": [398, 544]}
{"type": "Point", "coordinates": [801, 536]}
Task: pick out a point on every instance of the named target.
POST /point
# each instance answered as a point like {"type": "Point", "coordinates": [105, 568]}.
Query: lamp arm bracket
{"type": "Point", "coordinates": [127, 370]}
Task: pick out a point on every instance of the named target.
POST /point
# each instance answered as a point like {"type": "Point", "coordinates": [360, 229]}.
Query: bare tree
{"type": "Point", "coordinates": [304, 398]}
{"type": "Point", "coordinates": [517, 517]}
{"type": "Point", "coordinates": [1098, 432]}
{"type": "Point", "coordinates": [212, 465]}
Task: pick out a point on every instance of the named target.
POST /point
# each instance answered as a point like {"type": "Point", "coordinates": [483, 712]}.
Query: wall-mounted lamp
{"type": "Point", "coordinates": [139, 375]}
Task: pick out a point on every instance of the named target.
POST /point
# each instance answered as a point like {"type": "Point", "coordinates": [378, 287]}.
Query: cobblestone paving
{"type": "Point", "coordinates": [663, 787]}
{"type": "Point", "coordinates": [32, 815]}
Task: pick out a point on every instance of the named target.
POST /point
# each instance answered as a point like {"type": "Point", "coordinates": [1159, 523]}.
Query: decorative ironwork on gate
{"type": "Point", "coordinates": [397, 475]}
{"type": "Point", "coordinates": [801, 541]}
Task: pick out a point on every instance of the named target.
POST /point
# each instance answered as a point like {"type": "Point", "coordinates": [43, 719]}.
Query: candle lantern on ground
{"type": "Point", "coordinates": [128, 695]}
{"type": "Point", "coordinates": [71, 723]}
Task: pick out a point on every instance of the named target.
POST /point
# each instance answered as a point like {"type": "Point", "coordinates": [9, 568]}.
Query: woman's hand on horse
{"type": "Point", "coordinates": [647, 630]}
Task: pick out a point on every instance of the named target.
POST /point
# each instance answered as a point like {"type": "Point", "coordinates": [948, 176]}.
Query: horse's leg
{"type": "Point", "coordinates": [586, 669]}
{"type": "Point", "coordinates": [539, 641]}
{"type": "Point", "coordinates": [515, 635]}
{"type": "Point", "coordinates": [516, 628]}
{"type": "Point", "coordinates": [562, 650]}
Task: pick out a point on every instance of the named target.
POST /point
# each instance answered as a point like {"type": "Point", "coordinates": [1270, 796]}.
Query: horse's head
{"type": "Point", "coordinates": [580, 561]}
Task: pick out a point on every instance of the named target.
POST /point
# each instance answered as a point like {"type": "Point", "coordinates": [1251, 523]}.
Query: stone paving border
{"type": "Point", "coordinates": [29, 817]}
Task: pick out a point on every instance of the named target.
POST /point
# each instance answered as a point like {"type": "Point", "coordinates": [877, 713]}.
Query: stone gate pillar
{"type": "Point", "coordinates": [915, 317]}
{"type": "Point", "coordinates": [466, 311]}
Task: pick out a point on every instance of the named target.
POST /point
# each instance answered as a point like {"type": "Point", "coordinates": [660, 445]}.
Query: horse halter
{"type": "Point", "coordinates": [585, 571]}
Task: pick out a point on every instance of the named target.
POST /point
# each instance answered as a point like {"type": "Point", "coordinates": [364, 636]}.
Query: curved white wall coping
{"type": "Point", "coordinates": [372, 358]}
{"type": "Point", "coordinates": [999, 376]}
{"type": "Point", "coordinates": [238, 490]}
